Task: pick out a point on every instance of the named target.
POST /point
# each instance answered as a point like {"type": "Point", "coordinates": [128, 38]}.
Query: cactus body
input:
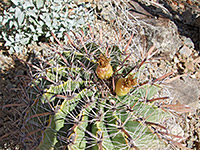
{"type": "Point", "coordinates": [76, 110]}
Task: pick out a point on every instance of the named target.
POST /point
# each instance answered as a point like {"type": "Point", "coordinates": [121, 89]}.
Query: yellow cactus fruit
{"type": "Point", "coordinates": [104, 69]}
{"type": "Point", "coordinates": [124, 85]}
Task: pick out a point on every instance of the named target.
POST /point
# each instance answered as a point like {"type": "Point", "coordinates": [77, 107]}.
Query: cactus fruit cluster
{"type": "Point", "coordinates": [85, 96]}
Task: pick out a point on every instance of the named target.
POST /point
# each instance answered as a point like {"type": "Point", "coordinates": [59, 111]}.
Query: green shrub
{"type": "Point", "coordinates": [34, 20]}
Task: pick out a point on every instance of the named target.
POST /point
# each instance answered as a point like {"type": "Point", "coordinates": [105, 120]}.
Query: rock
{"type": "Point", "coordinates": [105, 10]}
{"type": "Point", "coordinates": [177, 130]}
{"type": "Point", "coordinates": [188, 42]}
{"type": "Point", "coordinates": [189, 66]}
{"type": "Point", "coordinates": [5, 62]}
{"type": "Point", "coordinates": [176, 60]}
{"type": "Point", "coordinates": [186, 91]}
{"type": "Point", "coordinates": [197, 21]}
{"type": "Point", "coordinates": [197, 74]}
{"type": "Point", "coordinates": [185, 51]}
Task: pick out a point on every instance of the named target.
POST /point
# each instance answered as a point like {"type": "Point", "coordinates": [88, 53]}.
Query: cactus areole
{"type": "Point", "coordinates": [104, 69]}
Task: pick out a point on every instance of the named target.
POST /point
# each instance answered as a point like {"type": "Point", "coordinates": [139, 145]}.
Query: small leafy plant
{"type": "Point", "coordinates": [34, 20]}
{"type": "Point", "coordinates": [73, 106]}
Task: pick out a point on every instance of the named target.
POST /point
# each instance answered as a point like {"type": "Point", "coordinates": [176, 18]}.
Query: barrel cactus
{"type": "Point", "coordinates": [73, 107]}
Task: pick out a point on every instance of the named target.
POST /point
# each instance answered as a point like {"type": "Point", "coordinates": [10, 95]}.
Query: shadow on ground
{"type": "Point", "coordinates": [12, 106]}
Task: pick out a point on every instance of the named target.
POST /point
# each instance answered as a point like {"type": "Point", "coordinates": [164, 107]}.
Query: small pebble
{"type": "Point", "coordinates": [185, 51]}
{"type": "Point", "coordinates": [176, 60]}
{"type": "Point", "coordinates": [188, 42]}
{"type": "Point", "coordinates": [197, 74]}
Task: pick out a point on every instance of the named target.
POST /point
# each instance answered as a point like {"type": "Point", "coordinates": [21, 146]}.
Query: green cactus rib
{"type": "Point", "coordinates": [79, 56]}
{"type": "Point", "coordinates": [99, 129]}
{"type": "Point", "coordinates": [127, 131]}
{"type": "Point", "coordinates": [112, 136]}
{"type": "Point", "coordinates": [56, 121]}
{"type": "Point", "coordinates": [84, 118]}
{"type": "Point", "coordinates": [77, 139]}
{"type": "Point", "coordinates": [66, 86]}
